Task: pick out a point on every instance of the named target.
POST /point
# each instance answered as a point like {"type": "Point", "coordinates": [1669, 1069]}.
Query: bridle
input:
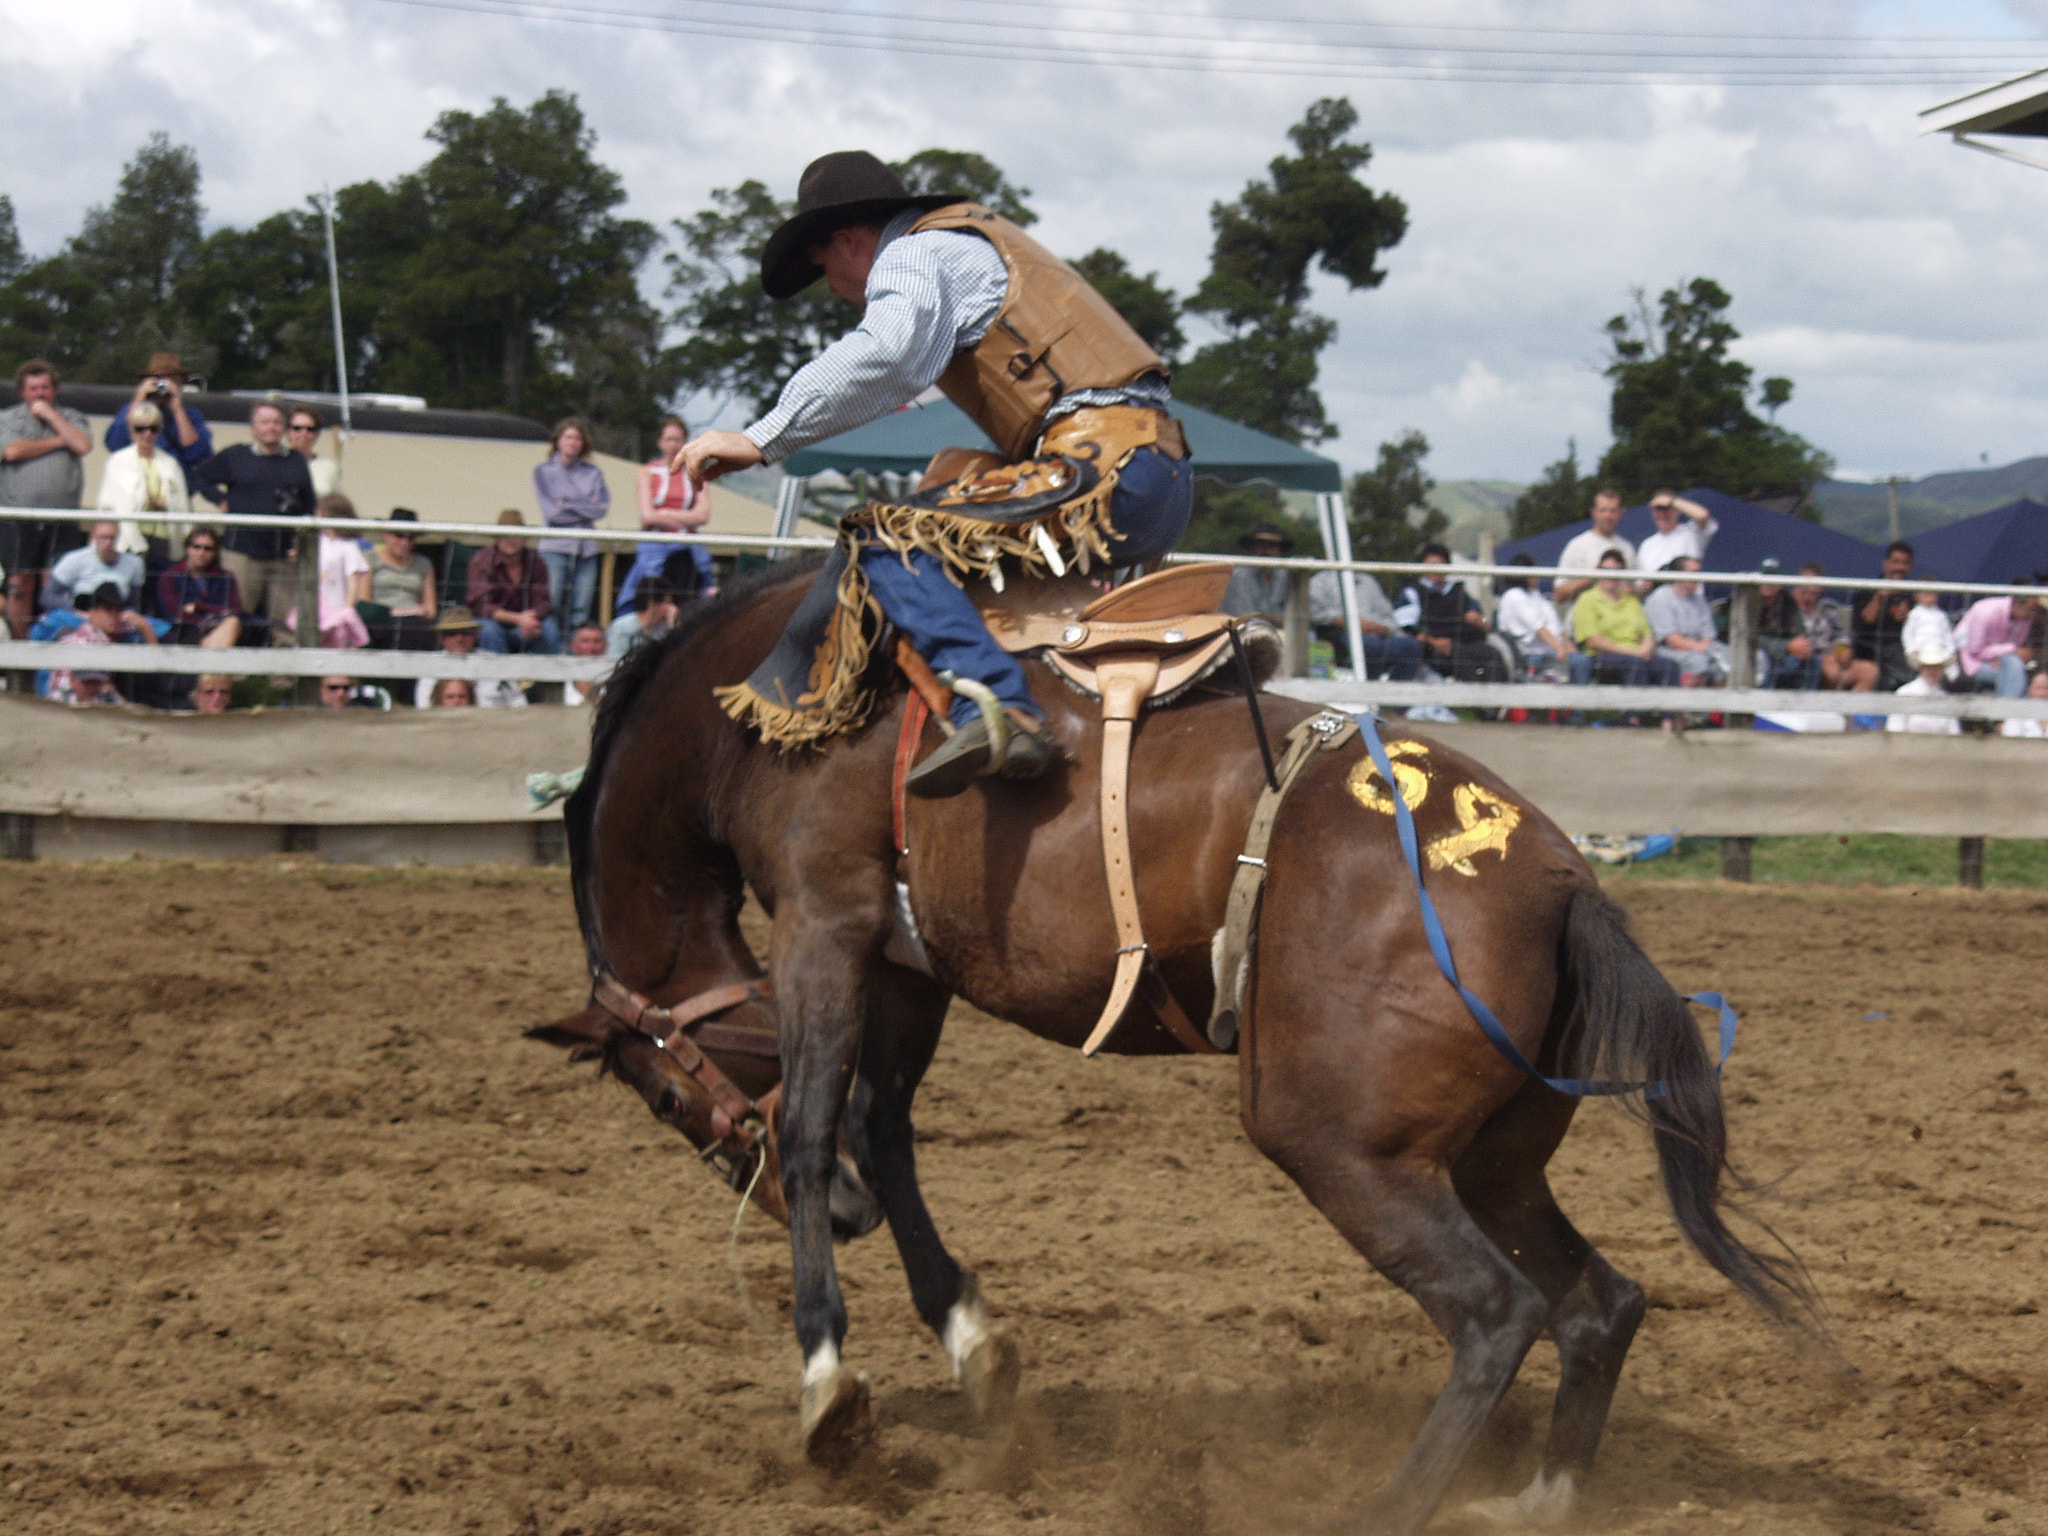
{"type": "Point", "coordinates": [682, 1031]}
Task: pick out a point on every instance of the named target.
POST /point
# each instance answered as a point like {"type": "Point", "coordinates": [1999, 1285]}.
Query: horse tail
{"type": "Point", "coordinates": [1626, 1022]}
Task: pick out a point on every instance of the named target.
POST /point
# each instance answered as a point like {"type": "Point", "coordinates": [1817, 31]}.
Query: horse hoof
{"type": "Point", "coordinates": [835, 1416]}
{"type": "Point", "coordinates": [1547, 1502]}
{"type": "Point", "coordinates": [989, 1375]}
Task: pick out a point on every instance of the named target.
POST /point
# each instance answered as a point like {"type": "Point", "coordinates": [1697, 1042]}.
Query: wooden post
{"type": "Point", "coordinates": [1742, 659]}
{"type": "Point", "coordinates": [605, 580]}
{"type": "Point", "coordinates": [1294, 625]}
{"type": "Point", "coordinates": [1970, 863]}
{"type": "Point", "coordinates": [1735, 852]}
{"type": "Point", "coordinates": [306, 580]}
{"type": "Point", "coordinates": [17, 836]}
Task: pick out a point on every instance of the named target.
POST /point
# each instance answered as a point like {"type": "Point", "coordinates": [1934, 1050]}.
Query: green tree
{"type": "Point", "coordinates": [11, 261]}
{"type": "Point", "coordinates": [1225, 516]}
{"type": "Point", "coordinates": [974, 178]}
{"type": "Point", "coordinates": [1681, 407]}
{"type": "Point", "coordinates": [1151, 308]}
{"type": "Point", "coordinates": [1384, 502]}
{"type": "Point", "coordinates": [1310, 211]}
{"type": "Point", "coordinates": [105, 301]}
{"type": "Point", "coordinates": [1562, 495]}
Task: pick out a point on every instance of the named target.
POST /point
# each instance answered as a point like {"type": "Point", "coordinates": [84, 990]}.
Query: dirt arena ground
{"type": "Point", "coordinates": [299, 1236]}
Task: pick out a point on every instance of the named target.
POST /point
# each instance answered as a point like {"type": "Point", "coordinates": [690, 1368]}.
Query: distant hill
{"type": "Point", "coordinates": [1474, 506]}
{"type": "Point", "coordinates": [1862, 510]}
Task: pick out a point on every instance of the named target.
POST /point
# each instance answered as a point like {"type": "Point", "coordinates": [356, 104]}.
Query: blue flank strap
{"type": "Point", "coordinates": [1440, 947]}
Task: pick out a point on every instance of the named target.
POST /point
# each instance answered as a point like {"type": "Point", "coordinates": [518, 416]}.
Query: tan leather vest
{"type": "Point", "coordinates": [1053, 335]}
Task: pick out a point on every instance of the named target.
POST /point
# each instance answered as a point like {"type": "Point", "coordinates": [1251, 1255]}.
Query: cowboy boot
{"type": "Point", "coordinates": [965, 756]}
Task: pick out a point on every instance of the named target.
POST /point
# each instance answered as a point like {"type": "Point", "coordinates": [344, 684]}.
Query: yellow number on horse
{"type": "Point", "coordinates": [1369, 790]}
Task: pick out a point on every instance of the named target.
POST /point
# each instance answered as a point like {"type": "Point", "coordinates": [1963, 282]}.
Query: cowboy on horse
{"type": "Point", "coordinates": [1091, 470]}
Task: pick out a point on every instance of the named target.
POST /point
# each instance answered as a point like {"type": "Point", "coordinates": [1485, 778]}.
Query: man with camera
{"type": "Point", "coordinates": [42, 464]}
{"type": "Point", "coordinates": [186, 434]}
{"type": "Point", "coordinates": [260, 478]}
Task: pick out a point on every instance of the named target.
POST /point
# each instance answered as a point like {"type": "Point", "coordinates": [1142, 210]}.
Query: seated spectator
{"type": "Point", "coordinates": [669, 503]}
{"type": "Point", "coordinates": [452, 693]}
{"type": "Point", "coordinates": [1787, 651]}
{"type": "Point", "coordinates": [42, 464]}
{"type": "Point", "coordinates": [458, 628]}
{"type": "Point", "coordinates": [1932, 665]}
{"type": "Point", "coordinates": [589, 640]}
{"type": "Point", "coordinates": [1448, 621]}
{"type": "Point", "coordinates": [1259, 589]}
{"type": "Point", "coordinates": [1388, 652]}
{"type": "Point", "coordinates": [1995, 641]}
{"type": "Point", "coordinates": [201, 601]}
{"type": "Point", "coordinates": [1683, 528]}
{"type": "Point", "coordinates": [508, 592]}
{"type": "Point", "coordinates": [184, 433]}
{"type": "Point", "coordinates": [108, 621]}
{"type": "Point", "coordinates": [347, 693]}
{"type": "Point", "coordinates": [2036, 730]}
{"type": "Point", "coordinates": [1683, 626]}
{"type": "Point", "coordinates": [1876, 620]}
{"type": "Point", "coordinates": [653, 615]}
{"type": "Point", "coordinates": [99, 564]}
{"type": "Point", "coordinates": [1531, 620]}
{"type": "Point", "coordinates": [1928, 628]}
{"type": "Point", "coordinates": [1827, 627]}
{"type": "Point", "coordinates": [213, 693]}
{"type": "Point", "coordinates": [302, 431]}
{"type": "Point", "coordinates": [402, 606]}
{"type": "Point", "coordinates": [344, 579]}
{"type": "Point", "coordinates": [143, 478]}
{"type": "Point", "coordinates": [1610, 627]}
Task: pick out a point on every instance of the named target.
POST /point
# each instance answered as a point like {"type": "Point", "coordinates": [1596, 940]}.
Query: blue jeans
{"type": "Point", "coordinates": [503, 639]}
{"type": "Point", "coordinates": [1148, 513]}
{"type": "Point", "coordinates": [575, 576]}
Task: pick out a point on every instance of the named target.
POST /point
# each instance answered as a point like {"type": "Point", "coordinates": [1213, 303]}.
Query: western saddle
{"type": "Point", "coordinates": [1141, 645]}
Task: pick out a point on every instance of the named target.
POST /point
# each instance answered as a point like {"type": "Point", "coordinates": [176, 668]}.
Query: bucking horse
{"type": "Point", "coordinates": [1363, 1071]}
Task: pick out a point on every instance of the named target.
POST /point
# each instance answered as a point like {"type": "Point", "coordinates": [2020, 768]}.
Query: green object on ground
{"type": "Point", "coordinates": [1876, 858]}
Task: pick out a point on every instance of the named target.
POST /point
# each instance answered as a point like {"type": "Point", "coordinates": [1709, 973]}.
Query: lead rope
{"type": "Point", "coordinates": [756, 1323]}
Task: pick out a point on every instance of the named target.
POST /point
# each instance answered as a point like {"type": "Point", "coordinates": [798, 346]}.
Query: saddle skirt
{"type": "Point", "coordinates": [1173, 615]}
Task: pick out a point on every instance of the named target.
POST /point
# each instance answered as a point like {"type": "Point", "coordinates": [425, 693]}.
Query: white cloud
{"type": "Point", "coordinates": [1896, 280]}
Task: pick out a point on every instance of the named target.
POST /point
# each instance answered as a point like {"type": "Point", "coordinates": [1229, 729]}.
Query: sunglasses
{"type": "Point", "coordinates": [334, 687]}
{"type": "Point", "coordinates": [138, 431]}
{"type": "Point", "coordinates": [302, 426]}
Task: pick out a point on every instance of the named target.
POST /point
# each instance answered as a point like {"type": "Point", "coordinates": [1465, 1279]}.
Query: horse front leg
{"type": "Point", "coordinates": [907, 1011]}
{"type": "Point", "coordinates": [821, 967]}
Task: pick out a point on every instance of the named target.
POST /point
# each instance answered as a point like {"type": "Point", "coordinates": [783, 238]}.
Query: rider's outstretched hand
{"type": "Point", "coordinates": [711, 454]}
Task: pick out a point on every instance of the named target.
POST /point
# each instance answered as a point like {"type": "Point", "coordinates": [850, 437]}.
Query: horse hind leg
{"type": "Point", "coordinates": [906, 1013]}
{"type": "Point", "coordinates": [1403, 1214]}
{"type": "Point", "coordinates": [1595, 1309]}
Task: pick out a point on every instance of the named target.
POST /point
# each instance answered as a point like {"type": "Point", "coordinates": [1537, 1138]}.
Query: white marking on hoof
{"type": "Point", "coordinates": [985, 1360]}
{"type": "Point", "coordinates": [833, 1408]}
{"type": "Point", "coordinates": [1548, 1501]}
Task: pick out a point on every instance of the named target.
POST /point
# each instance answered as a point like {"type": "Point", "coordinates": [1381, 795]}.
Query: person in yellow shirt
{"type": "Point", "coordinates": [1610, 626]}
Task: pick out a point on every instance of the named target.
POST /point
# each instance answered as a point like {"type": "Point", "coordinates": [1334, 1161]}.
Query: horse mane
{"type": "Point", "coordinates": [621, 695]}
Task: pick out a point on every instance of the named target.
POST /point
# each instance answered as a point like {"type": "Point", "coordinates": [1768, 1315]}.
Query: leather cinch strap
{"type": "Point", "coordinates": [1318, 733]}
{"type": "Point", "coordinates": [1125, 683]}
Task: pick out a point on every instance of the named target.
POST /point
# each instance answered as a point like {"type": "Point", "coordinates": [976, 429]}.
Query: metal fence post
{"type": "Point", "coordinates": [306, 582]}
{"type": "Point", "coordinates": [1294, 624]}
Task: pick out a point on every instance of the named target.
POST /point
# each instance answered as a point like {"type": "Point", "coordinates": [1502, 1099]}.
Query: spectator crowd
{"type": "Point", "coordinates": [135, 578]}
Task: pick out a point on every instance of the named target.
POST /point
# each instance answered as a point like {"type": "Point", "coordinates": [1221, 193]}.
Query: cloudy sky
{"type": "Point", "coordinates": [1898, 280]}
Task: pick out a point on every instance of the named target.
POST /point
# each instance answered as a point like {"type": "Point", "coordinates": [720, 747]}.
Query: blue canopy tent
{"type": "Point", "coordinates": [1998, 545]}
{"type": "Point", "coordinates": [1746, 535]}
{"type": "Point", "coordinates": [901, 443]}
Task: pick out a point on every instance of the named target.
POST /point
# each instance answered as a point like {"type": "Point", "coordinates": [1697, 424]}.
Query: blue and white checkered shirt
{"type": "Point", "coordinates": [930, 296]}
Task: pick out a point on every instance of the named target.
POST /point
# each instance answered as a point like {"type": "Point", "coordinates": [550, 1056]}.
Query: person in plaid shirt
{"type": "Point", "coordinates": [508, 591]}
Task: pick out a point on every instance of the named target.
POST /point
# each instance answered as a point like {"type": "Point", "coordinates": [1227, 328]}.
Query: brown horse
{"type": "Point", "coordinates": [1362, 1074]}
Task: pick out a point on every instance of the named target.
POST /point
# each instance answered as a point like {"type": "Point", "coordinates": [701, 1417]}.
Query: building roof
{"type": "Point", "coordinates": [1999, 545]}
{"type": "Point", "coordinates": [2018, 106]}
{"type": "Point", "coordinates": [904, 441]}
{"type": "Point", "coordinates": [1747, 534]}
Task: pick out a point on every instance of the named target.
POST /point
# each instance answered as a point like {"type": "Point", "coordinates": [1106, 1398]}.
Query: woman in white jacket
{"type": "Point", "coordinates": [142, 478]}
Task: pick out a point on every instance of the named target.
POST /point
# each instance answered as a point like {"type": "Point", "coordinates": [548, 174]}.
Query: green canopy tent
{"type": "Point", "coordinates": [899, 445]}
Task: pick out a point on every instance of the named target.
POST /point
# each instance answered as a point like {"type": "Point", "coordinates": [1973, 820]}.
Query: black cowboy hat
{"type": "Point", "coordinates": [847, 187]}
